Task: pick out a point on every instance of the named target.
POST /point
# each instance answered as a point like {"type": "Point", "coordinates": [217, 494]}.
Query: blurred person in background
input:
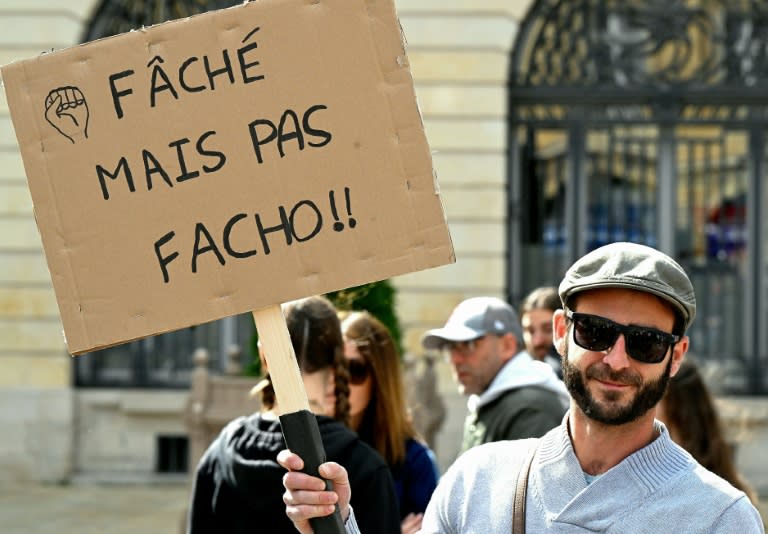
{"type": "Point", "coordinates": [379, 415]}
{"type": "Point", "coordinates": [536, 313]}
{"type": "Point", "coordinates": [238, 482]}
{"type": "Point", "coordinates": [511, 395]}
{"type": "Point", "coordinates": [691, 416]}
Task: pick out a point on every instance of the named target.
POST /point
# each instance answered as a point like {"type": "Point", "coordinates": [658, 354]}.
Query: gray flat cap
{"type": "Point", "coordinates": [632, 266]}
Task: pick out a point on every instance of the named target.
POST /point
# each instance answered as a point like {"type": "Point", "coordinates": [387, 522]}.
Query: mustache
{"type": "Point", "coordinates": [603, 372]}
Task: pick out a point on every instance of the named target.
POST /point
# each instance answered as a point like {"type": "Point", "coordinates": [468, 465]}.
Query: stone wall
{"type": "Point", "coordinates": [37, 434]}
{"type": "Point", "coordinates": [116, 432]}
{"type": "Point", "coordinates": [36, 398]}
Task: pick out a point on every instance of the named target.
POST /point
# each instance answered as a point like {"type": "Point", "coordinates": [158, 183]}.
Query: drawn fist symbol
{"type": "Point", "coordinates": [67, 111]}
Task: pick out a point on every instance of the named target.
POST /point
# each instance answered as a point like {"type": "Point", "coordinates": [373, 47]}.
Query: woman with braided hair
{"type": "Point", "coordinates": [238, 484]}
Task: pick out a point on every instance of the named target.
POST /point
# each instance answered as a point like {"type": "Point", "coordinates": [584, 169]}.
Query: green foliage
{"type": "Point", "coordinates": [377, 298]}
{"type": "Point", "coordinates": [253, 366]}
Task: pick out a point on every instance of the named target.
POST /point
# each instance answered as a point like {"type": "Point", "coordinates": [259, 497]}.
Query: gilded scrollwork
{"type": "Point", "coordinates": [664, 44]}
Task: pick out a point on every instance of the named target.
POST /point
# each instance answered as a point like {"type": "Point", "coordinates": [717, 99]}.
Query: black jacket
{"type": "Point", "coordinates": [239, 488]}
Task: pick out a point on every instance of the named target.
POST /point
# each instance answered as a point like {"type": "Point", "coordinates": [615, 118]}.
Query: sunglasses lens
{"type": "Point", "coordinates": [647, 346]}
{"type": "Point", "coordinates": [358, 371]}
{"type": "Point", "coordinates": [594, 333]}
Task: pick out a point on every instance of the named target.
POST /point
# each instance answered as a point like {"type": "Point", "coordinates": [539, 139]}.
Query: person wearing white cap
{"type": "Point", "coordinates": [610, 466]}
{"type": "Point", "coordinates": [511, 395]}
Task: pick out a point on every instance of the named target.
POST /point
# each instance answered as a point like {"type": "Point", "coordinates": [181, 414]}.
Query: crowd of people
{"type": "Point", "coordinates": [583, 414]}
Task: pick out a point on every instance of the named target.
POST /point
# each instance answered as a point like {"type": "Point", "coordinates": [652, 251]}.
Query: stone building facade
{"type": "Point", "coordinates": [459, 51]}
{"type": "Point", "coordinates": [52, 430]}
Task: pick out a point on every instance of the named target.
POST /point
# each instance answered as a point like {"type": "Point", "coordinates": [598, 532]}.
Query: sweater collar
{"type": "Point", "coordinates": [562, 491]}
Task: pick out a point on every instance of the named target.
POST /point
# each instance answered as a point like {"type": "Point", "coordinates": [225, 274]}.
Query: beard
{"type": "Point", "coordinates": [540, 352]}
{"type": "Point", "coordinates": [610, 412]}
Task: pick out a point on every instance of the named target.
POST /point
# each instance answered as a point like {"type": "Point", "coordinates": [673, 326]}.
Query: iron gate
{"type": "Point", "coordinates": [645, 122]}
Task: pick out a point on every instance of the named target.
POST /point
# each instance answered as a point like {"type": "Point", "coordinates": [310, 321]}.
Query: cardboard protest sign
{"type": "Point", "coordinates": [226, 162]}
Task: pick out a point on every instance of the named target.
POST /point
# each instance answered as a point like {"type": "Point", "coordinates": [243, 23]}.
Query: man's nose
{"type": "Point", "coordinates": [616, 356]}
{"type": "Point", "coordinates": [456, 356]}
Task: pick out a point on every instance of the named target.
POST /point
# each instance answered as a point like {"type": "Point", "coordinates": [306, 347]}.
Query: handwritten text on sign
{"type": "Point", "coordinates": [185, 159]}
{"type": "Point", "coordinates": [213, 165]}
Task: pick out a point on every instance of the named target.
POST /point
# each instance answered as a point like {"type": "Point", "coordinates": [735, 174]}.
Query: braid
{"type": "Point", "coordinates": [341, 375]}
{"type": "Point", "coordinates": [317, 341]}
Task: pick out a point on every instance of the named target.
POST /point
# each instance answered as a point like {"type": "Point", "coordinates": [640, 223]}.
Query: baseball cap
{"type": "Point", "coordinates": [632, 266]}
{"type": "Point", "coordinates": [474, 318]}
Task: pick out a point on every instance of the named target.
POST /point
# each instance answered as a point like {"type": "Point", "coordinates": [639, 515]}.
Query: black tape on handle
{"type": "Point", "coordinates": [302, 436]}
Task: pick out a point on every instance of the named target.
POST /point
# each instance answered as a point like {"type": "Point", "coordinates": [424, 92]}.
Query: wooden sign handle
{"type": "Point", "coordinates": [281, 360]}
{"type": "Point", "coordinates": [298, 424]}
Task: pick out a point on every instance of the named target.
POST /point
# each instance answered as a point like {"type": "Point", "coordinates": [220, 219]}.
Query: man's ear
{"type": "Point", "coordinates": [509, 346]}
{"type": "Point", "coordinates": [560, 331]}
{"type": "Point", "coordinates": [678, 355]}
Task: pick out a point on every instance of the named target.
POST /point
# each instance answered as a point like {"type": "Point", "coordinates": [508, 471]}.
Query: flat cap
{"type": "Point", "coordinates": [632, 266]}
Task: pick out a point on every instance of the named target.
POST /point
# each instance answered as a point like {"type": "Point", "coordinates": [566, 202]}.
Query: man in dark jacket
{"type": "Point", "coordinates": [511, 395]}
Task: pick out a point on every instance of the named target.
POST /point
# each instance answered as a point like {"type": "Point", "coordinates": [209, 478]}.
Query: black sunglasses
{"type": "Point", "coordinates": [358, 371]}
{"type": "Point", "coordinates": [647, 345]}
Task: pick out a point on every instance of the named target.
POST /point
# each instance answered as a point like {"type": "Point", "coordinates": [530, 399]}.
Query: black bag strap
{"type": "Point", "coordinates": [521, 491]}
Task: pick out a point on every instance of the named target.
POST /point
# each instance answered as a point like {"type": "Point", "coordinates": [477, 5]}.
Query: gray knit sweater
{"type": "Point", "coordinates": [658, 489]}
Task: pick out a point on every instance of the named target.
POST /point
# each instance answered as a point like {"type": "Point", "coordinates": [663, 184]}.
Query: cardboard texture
{"type": "Point", "coordinates": [223, 163]}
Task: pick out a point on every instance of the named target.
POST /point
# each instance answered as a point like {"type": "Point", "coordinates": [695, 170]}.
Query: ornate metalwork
{"type": "Point", "coordinates": [616, 79]}
{"type": "Point", "coordinates": [554, 115]}
{"type": "Point", "coordinates": [665, 45]}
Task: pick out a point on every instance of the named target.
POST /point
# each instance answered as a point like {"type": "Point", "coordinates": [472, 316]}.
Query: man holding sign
{"type": "Point", "coordinates": [224, 164]}
{"type": "Point", "coordinates": [610, 466]}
